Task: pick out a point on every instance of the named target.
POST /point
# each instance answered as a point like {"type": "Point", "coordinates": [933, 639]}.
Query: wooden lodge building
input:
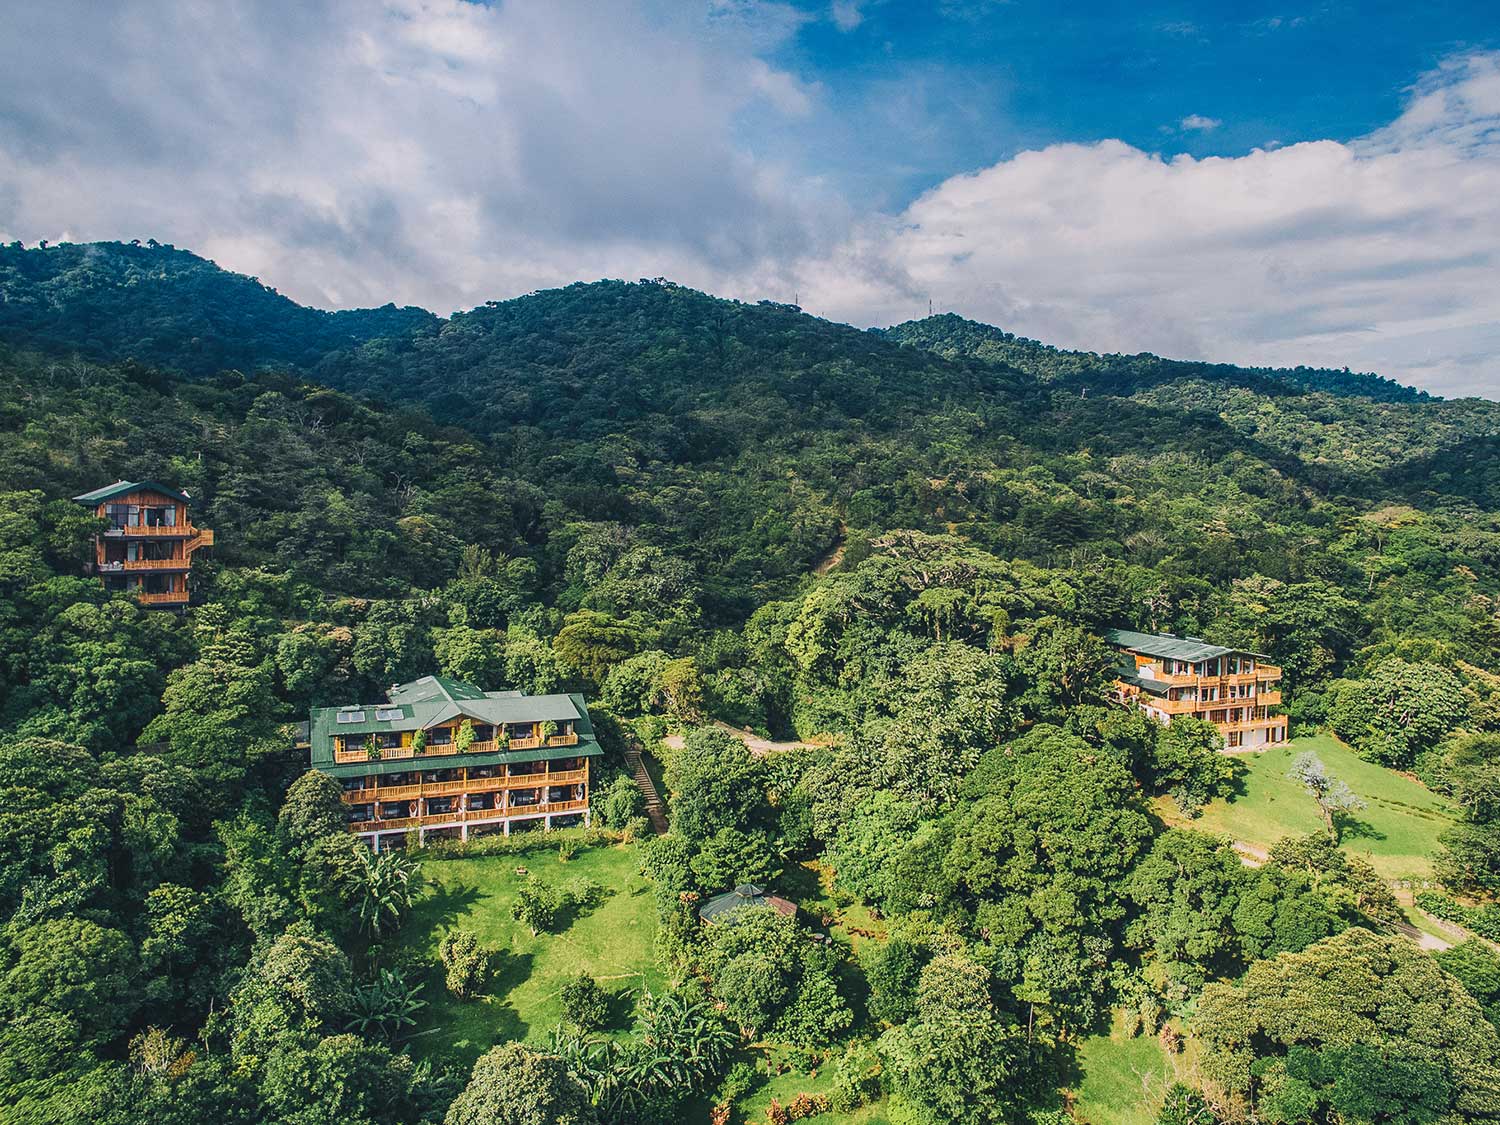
{"type": "Point", "coordinates": [404, 765]}
{"type": "Point", "coordinates": [148, 547]}
{"type": "Point", "coordinates": [1169, 676]}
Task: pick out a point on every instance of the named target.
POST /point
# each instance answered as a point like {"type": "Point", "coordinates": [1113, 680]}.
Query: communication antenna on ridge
{"type": "Point", "coordinates": [929, 306]}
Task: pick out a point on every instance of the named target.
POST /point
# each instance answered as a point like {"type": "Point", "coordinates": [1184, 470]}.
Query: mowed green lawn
{"type": "Point", "coordinates": [613, 942]}
{"type": "Point", "coordinates": [1124, 1079]}
{"type": "Point", "coordinates": [1397, 832]}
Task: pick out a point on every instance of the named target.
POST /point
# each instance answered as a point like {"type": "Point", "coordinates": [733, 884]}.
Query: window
{"type": "Point", "coordinates": [387, 714]}
{"type": "Point", "coordinates": [440, 736]}
{"type": "Point", "coordinates": [351, 716]}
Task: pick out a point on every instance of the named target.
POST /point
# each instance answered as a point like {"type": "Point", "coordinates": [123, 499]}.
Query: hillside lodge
{"type": "Point", "coordinates": [1168, 677]}
{"type": "Point", "coordinates": [443, 758]}
{"type": "Point", "coordinates": [148, 546]}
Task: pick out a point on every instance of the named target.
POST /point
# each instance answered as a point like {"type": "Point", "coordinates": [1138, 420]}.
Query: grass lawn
{"type": "Point", "coordinates": [1397, 832]}
{"type": "Point", "coordinates": [613, 942]}
{"type": "Point", "coordinates": [1123, 1079]}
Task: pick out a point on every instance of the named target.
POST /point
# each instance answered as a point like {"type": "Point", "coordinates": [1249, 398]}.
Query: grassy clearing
{"type": "Point", "coordinates": [1123, 1079]}
{"type": "Point", "coordinates": [613, 942]}
{"type": "Point", "coordinates": [1397, 832]}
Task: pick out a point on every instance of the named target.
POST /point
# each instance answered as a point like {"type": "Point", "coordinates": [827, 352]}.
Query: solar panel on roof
{"type": "Point", "coordinates": [351, 716]}
{"type": "Point", "coordinates": [387, 714]}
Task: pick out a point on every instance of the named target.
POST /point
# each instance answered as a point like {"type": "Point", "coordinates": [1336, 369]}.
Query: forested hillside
{"type": "Point", "coordinates": [952, 336]}
{"type": "Point", "coordinates": [170, 308]}
{"type": "Point", "coordinates": [902, 548]}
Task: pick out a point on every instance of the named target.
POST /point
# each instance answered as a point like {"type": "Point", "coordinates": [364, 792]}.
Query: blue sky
{"type": "Point", "coordinates": [1234, 182]}
{"type": "Point", "coordinates": [958, 86]}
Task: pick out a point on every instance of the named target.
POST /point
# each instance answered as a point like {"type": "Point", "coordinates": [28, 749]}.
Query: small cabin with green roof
{"type": "Point", "coordinates": [147, 544]}
{"type": "Point", "coordinates": [443, 757]}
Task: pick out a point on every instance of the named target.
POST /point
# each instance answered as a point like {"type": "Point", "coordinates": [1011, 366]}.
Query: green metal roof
{"type": "Point", "coordinates": [744, 897]}
{"type": "Point", "coordinates": [121, 487]}
{"type": "Point", "coordinates": [1169, 647]}
{"type": "Point", "coordinates": [430, 688]}
{"type": "Point", "coordinates": [435, 704]}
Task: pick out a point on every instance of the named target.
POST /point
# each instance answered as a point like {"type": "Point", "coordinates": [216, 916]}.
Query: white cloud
{"type": "Point", "coordinates": [846, 14]}
{"type": "Point", "coordinates": [1380, 255]}
{"type": "Point", "coordinates": [1197, 123]}
{"type": "Point", "coordinates": [426, 151]}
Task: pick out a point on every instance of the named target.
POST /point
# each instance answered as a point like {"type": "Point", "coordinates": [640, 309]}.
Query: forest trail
{"type": "Point", "coordinates": [654, 808]}
{"type": "Point", "coordinates": [757, 745]}
{"type": "Point", "coordinates": [835, 556]}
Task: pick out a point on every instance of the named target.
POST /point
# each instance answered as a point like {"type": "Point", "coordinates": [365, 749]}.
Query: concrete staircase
{"type": "Point", "coordinates": [654, 807]}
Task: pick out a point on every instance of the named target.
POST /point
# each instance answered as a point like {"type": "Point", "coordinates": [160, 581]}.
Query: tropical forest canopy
{"type": "Point", "coordinates": [900, 546]}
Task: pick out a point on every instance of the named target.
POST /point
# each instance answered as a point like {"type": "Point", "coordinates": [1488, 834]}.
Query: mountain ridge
{"type": "Point", "coordinates": [239, 322]}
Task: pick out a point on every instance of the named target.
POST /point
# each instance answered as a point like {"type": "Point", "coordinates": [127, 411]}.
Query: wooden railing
{"type": "Point", "coordinates": [360, 754]}
{"type": "Point", "coordinates": [178, 597]}
{"type": "Point", "coordinates": [472, 785]}
{"type": "Point", "coordinates": [182, 529]}
{"type": "Point", "coordinates": [461, 816]}
{"type": "Point", "coordinates": [125, 565]}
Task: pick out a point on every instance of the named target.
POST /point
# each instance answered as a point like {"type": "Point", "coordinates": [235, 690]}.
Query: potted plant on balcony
{"type": "Point", "coordinates": [549, 728]}
{"type": "Point", "coordinates": [419, 741]}
{"type": "Point", "coordinates": [465, 737]}
{"type": "Point", "coordinates": [502, 737]}
{"type": "Point", "coordinates": [371, 750]}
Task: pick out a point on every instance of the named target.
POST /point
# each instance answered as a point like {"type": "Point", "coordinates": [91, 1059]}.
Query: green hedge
{"type": "Point", "coordinates": [1482, 920]}
{"type": "Point", "coordinates": [518, 844]}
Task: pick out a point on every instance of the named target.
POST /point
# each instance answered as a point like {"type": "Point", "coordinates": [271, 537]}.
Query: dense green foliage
{"type": "Point", "coordinates": [903, 547]}
{"type": "Point", "coordinates": [953, 336]}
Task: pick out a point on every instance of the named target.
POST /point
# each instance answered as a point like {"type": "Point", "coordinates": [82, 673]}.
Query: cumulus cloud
{"type": "Point", "coordinates": [1379, 255]}
{"type": "Point", "coordinates": [431, 151]}
{"type": "Point", "coordinates": [1197, 123]}
{"type": "Point", "coordinates": [444, 153]}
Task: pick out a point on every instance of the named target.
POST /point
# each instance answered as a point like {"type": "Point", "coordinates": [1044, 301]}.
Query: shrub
{"type": "Point", "coordinates": [467, 962]}
{"type": "Point", "coordinates": [583, 893]}
{"type": "Point", "coordinates": [419, 741]}
{"type": "Point", "coordinates": [856, 1078]}
{"type": "Point", "coordinates": [537, 905]}
{"type": "Point", "coordinates": [567, 849]}
{"type": "Point", "coordinates": [804, 1106]}
{"type": "Point", "coordinates": [584, 1003]}
{"type": "Point", "coordinates": [622, 802]}
{"type": "Point", "coordinates": [741, 1079]}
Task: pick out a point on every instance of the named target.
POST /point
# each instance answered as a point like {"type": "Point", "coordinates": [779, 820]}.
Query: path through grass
{"type": "Point", "coordinates": [1397, 832]}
